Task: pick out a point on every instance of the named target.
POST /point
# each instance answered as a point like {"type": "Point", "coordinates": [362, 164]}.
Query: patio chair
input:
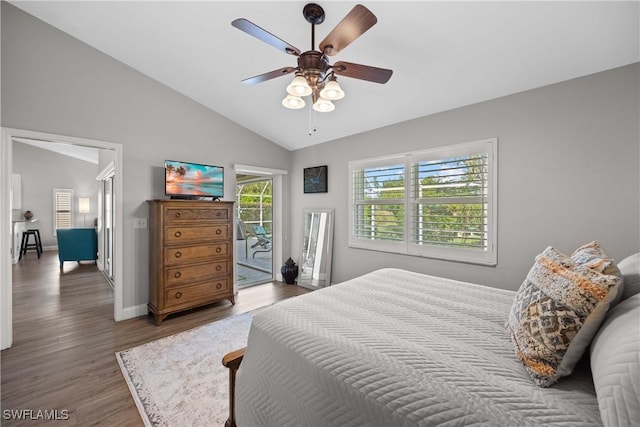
{"type": "Point", "coordinates": [264, 240]}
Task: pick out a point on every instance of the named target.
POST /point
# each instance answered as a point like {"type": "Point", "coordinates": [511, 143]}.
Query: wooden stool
{"type": "Point", "coordinates": [25, 245]}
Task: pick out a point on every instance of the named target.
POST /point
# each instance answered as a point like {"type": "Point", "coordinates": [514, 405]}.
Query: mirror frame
{"type": "Point", "coordinates": [327, 250]}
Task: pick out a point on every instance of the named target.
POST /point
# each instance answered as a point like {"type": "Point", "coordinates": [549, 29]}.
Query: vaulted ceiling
{"type": "Point", "coordinates": [443, 55]}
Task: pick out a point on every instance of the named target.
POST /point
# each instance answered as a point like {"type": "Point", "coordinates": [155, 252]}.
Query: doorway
{"type": "Point", "coordinates": [254, 216]}
{"type": "Point", "coordinates": [6, 168]}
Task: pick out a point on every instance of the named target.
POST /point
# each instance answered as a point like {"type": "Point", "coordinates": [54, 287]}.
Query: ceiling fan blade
{"type": "Point", "coordinates": [352, 26]}
{"type": "Point", "coordinates": [264, 35]}
{"type": "Point", "coordinates": [268, 76]}
{"type": "Point", "coordinates": [362, 72]}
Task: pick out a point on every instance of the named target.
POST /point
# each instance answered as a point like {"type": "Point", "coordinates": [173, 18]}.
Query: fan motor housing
{"type": "Point", "coordinates": [313, 64]}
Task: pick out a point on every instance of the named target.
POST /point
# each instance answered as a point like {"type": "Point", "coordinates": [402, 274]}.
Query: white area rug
{"type": "Point", "coordinates": [179, 380]}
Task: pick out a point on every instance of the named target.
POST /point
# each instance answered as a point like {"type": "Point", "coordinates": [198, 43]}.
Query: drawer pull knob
{"type": "Point", "coordinates": [218, 267]}
{"type": "Point", "coordinates": [218, 231]}
{"type": "Point", "coordinates": [218, 213]}
{"type": "Point", "coordinates": [178, 254]}
{"type": "Point", "coordinates": [178, 233]}
{"type": "Point", "coordinates": [219, 286]}
{"type": "Point", "coordinates": [178, 295]}
{"type": "Point", "coordinates": [177, 275]}
{"type": "Point", "coordinates": [218, 250]}
{"type": "Point", "coordinates": [177, 214]}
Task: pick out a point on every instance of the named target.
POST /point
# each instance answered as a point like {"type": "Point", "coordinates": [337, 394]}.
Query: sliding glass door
{"type": "Point", "coordinates": [254, 234]}
{"type": "Point", "coordinates": [107, 226]}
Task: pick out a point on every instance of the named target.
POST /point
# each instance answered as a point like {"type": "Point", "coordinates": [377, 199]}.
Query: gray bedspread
{"type": "Point", "coordinates": [395, 348]}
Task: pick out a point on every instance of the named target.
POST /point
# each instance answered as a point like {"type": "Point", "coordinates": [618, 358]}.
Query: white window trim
{"type": "Point", "coordinates": [488, 257]}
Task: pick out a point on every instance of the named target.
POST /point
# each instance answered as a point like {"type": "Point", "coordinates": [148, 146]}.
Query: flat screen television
{"type": "Point", "coordinates": [193, 181]}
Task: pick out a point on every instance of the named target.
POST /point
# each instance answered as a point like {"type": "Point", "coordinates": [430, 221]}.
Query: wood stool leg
{"type": "Point", "coordinates": [23, 246]}
{"type": "Point", "coordinates": [38, 243]}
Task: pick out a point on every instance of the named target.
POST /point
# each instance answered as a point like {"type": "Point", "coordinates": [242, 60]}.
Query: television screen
{"type": "Point", "coordinates": [193, 180]}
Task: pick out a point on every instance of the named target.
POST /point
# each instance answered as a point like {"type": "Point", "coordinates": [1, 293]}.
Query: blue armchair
{"type": "Point", "coordinates": [77, 244]}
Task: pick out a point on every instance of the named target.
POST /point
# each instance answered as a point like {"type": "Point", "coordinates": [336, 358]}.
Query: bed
{"type": "Point", "coordinates": [397, 348]}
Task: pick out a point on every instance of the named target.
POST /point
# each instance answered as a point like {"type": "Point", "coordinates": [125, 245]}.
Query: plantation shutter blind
{"type": "Point", "coordinates": [378, 201]}
{"type": "Point", "coordinates": [451, 202]}
{"type": "Point", "coordinates": [437, 203]}
{"type": "Point", "coordinates": [62, 208]}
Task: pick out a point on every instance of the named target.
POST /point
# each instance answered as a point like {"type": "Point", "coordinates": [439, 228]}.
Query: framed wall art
{"type": "Point", "coordinates": [315, 179]}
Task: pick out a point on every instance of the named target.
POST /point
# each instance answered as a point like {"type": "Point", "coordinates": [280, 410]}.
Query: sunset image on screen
{"type": "Point", "coordinates": [193, 179]}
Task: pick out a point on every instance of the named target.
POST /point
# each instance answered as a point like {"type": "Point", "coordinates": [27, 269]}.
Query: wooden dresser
{"type": "Point", "coordinates": [190, 255]}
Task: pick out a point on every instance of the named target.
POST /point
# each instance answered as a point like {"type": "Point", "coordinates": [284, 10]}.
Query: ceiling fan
{"type": "Point", "coordinates": [315, 76]}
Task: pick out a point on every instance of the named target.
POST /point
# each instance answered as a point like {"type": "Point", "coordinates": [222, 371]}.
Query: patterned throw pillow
{"type": "Point", "coordinates": [593, 256]}
{"type": "Point", "coordinates": [556, 313]}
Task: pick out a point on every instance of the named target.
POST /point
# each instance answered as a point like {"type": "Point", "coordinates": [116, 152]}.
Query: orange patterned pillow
{"type": "Point", "coordinates": [556, 313]}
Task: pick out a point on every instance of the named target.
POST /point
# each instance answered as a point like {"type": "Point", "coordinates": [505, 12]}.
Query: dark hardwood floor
{"type": "Point", "coordinates": [64, 340]}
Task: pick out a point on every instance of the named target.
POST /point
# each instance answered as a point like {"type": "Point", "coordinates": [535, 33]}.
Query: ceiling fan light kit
{"type": "Point", "coordinates": [299, 87]}
{"type": "Point", "coordinates": [323, 105]}
{"type": "Point", "coordinates": [332, 90]}
{"type": "Point", "coordinates": [314, 75]}
{"type": "Point", "coordinates": [293, 102]}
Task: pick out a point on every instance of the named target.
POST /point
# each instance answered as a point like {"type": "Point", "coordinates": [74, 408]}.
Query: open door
{"type": "Point", "coordinates": [254, 216]}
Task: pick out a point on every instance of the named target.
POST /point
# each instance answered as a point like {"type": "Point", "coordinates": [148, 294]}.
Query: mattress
{"type": "Point", "coordinates": [396, 348]}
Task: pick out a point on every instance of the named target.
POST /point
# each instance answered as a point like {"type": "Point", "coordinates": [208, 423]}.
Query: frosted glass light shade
{"type": "Point", "coordinates": [84, 205]}
{"type": "Point", "coordinates": [293, 102]}
{"type": "Point", "coordinates": [332, 91]}
{"type": "Point", "coordinates": [299, 87]}
{"type": "Point", "coordinates": [323, 105]}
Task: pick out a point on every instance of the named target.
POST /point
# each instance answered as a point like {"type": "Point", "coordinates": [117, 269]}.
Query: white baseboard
{"type": "Point", "coordinates": [135, 311]}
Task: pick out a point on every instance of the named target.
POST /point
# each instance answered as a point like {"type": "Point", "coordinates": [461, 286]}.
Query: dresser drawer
{"type": "Point", "coordinates": [195, 294]}
{"type": "Point", "coordinates": [194, 273]}
{"type": "Point", "coordinates": [188, 234]}
{"type": "Point", "coordinates": [205, 213]}
{"type": "Point", "coordinates": [192, 254]}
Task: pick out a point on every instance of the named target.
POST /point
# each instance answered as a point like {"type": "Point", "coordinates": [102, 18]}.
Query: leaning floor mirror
{"type": "Point", "coordinates": [317, 248]}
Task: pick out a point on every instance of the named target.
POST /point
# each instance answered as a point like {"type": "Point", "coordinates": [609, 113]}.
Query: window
{"type": "Point", "coordinates": [62, 208]}
{"type": "Point", "coordinates": [438, 203]}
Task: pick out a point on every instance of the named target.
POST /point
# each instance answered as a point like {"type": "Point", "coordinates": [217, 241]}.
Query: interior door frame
{"type": "Point", "coordinates": [6, 169]}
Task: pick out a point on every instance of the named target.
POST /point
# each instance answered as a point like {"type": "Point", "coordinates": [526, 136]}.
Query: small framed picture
{"type": "Point", "coordinates": [315, 179]}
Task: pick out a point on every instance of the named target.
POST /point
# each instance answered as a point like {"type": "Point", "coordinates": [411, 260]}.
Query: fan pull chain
{"type": "Point", "coordinates": [312, 121]}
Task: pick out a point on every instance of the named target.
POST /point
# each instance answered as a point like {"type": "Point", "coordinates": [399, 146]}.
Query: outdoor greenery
{"type": "Point", "coordinates": [254, 204]}
{"type": "Point", "coordinates": [448, 204]}
{"type": "Point", "coordinates": [384, 220]}
{"type": "Point", "coordinates": [459, 220]}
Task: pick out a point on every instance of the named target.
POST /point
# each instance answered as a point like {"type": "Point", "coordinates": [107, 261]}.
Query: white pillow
{"type": "Point", "coordinates": [630, 269]}
{"type": "Point", "coordinates": [615, 364]}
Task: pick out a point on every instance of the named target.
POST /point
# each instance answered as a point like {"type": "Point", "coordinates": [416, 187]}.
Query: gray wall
{"type": "Point", "coordinates": [53, 83]}
{"type": "Point", "coordinates": [42, 171]}
{"type": "Point", "coordinates": [568, 174]}
{"type": "Point", "coordinates": [568, 153]}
